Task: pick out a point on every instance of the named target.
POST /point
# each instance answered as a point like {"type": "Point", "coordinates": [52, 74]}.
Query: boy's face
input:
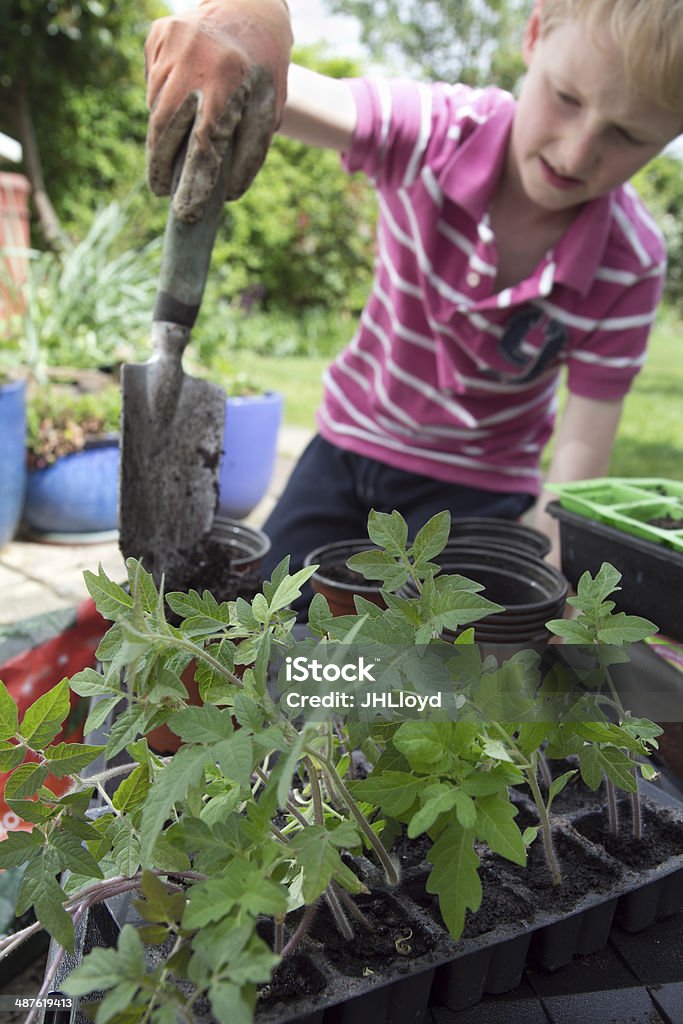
{"type": "Point", "coordinates": [580, 130]}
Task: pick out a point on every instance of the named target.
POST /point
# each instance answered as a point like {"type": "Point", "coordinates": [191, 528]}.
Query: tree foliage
{"type": "Point", "coordinates": [660, 184]}
{"type": "Point", "coordinates": [449, 40]}
{"type": "Point", "coordinates": [72, 91]}
{"type": "Point", "coordinates": [303, 234]}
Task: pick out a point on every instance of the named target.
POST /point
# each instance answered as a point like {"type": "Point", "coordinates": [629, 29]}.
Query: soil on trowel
{"type": "Point", "coordinates": [207, 566]}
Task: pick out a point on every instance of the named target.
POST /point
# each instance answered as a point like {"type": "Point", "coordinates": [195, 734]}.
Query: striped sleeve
{"type": "Point", "coordinates": [399, 124]}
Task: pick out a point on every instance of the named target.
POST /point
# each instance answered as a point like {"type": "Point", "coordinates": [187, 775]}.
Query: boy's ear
{"type": "Point", "coordinates": [532, 32]}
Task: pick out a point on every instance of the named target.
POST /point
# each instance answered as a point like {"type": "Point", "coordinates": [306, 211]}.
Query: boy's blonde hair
{"type": "Point", "coordinates": [649, 33]}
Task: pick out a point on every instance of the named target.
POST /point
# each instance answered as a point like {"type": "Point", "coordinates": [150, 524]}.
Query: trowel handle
{"type": "Point", "coordinates": [187, 254]}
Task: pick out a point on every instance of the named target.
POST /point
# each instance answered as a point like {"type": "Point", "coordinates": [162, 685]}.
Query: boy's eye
{"type": "Point", "coordinates": [564, 97]}
{"type": "Point", "coordinates": [626, 135]}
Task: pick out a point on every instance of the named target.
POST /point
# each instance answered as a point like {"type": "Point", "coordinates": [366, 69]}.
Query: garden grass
{"type": "Point", "coordinates": [650, 437]}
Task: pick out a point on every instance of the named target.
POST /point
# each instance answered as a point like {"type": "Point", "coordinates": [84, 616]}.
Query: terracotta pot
{"type": "Point", "coordinates": [338, 583]}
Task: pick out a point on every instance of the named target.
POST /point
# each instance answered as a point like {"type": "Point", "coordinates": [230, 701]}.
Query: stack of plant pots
{"type": "Point", "coordinates": [505, 557]}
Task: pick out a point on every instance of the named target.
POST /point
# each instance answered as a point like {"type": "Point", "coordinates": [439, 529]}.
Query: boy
{"type": "Point", "coordinates": [507, 247]}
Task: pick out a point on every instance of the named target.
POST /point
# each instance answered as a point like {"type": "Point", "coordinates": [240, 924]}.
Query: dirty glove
{"type": "Point", "coordinates": [219, 73]}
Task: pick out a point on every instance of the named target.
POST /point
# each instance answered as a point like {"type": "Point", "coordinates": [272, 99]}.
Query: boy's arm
{"type": "Point", "coordinates": [319, 110]}
{"type": "Point", "coordinates": [582, 450]}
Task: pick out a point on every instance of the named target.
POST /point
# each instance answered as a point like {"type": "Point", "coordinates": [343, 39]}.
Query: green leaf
{"type": "Point", "coordinates": [558, 784]}
{"type": "Point", "coordinates": [529, 835]}
{"type": "Point", "coordinates": [9, 719]}
{"type": "Point", "coordinates": [125, 728]}
{"type": "Point", "coordinates": [425, 744]}
{"type": "Point", "coordinates": [235, 756]}
{"type": "Point", "coordinates": [40, 890]}
{"type": "Point", "coordinates": [99, 712]}
{"type": "Point", "coordinates": [496, 826]}
{"type": "Point", "coordinates": [214, 899]}
{"type": "Point", "coordinates": [89, 683]}
{"type": "Point", "coordinates": [133, 790]}
{"type": "Point", "coordinates": [437, 800]}
{"type": "Point", "coordinates": [18, 847]}
{"type": "Point", "coordinates": [104, 968]}
{"type": "Point", "coordinates": [388, 530]}
{"type": "Point", "coordinates": [111, 600]}
{"type": "Point", "coordinates": [25, 780]}
{"type": "Point", "coordinates": [625, 629]}
{"type": "Point", "coordinates": [67, 758]}
{"type": "Point", "coordinates": [248, 713]}
{"type": "Point", "coordinates": [454, 878]}
{"type": "Point", "coordinates": [395, 792]}
{"type": "Point", "coordinates": [159, 905]}
{"type": "Point", "coordinates": [43, 720]}
{"type": "Point", "coordinates": [205, 724]}
{"type": "Point", "coordinates": [571, 629]}
{"type": "Point", "coordinates": [432, 538]}
{"type": "Point", "coordinates": [230, 1003]}
{"type": "Point", "coordinates": [185, 769]}
{"type": "Point", "coordinates": [74, 856]}
{"type": "Point", "coordinates": [125, 847]}
{"type": "Point", "coordinates": [290, 588]}
{"type": "Point", "coordinates": [11, 754]}
{"type": "Point", "coordinates": [318, 855]}
{"type": "Point", "coordinates": [619, 768]}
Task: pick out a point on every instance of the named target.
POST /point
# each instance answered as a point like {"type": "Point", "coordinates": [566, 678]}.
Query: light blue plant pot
{"type": "Point", "coordinates": [78, 494]}
{"type": "Point", "coordinates": [251, 428]}
{"type": "Point", "coordinates": [12, 457]}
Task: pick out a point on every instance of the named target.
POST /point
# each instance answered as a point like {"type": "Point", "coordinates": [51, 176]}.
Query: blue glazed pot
{"type": "Point", "coordinates": [251, 427]}
{"type": "Point", "coordinates": [12, 457]}
{"type": "Point", "coordinates": [78, 494]}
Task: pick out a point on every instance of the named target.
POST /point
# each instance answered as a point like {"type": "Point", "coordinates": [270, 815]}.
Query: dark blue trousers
{"type": "Point", "coordinates": [331, 491]}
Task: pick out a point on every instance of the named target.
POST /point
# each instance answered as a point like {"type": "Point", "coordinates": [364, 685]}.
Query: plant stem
{"type": "Point", "coordinates": [354, 910]}
{"type": "Point", "coordinates": [636, 812]}
{"type": "Point", "coordinates": [545, 826]}
{"type": "Point", "coordinates": [612, 810]}
{"type": "Point", "coordinates": [316, 795]}
{"type": "Point", "coordinates": [304, 925]}
{"type": "Point", "coordinates": [545, 770]}
{"type": "Point", "coordinates": [364, 825]}
{"type": "Point", "coordinates": [338, 914]}
{"type": "Point", "coordinates": [278, 936]}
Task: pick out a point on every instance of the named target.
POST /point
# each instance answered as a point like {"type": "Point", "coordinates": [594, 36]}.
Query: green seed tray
{"type": "Point", "coordinates": [628, 504]}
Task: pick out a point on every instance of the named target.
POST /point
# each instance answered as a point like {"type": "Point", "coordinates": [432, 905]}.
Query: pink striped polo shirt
{"type": "Point", "coordinates": [444, 376]}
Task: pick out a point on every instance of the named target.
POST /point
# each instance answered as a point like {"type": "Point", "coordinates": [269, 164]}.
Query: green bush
{"type": "Point", "coordinates": [88, 306]}
{"type": "Point", "coordinates": [660, 184]}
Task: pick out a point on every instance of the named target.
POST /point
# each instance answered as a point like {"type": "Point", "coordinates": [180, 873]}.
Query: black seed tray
{"type": "Point", "coordinates": [458, 974]}
{"type": "Point", "coordinates": [653, 575]}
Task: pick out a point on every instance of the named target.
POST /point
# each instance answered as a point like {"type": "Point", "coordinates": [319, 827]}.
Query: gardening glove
{"type": "Point", "coordinates": [217, 75]}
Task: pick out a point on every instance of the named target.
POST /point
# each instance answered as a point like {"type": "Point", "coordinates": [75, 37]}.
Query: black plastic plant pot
{"type": "Point", "coordinates": [500, 533]}
{"type": "Point", "coordinates": [530, 591]}
{"type": "Point", "coordinates": [246, 546]}
{"type": "Point", "coordinates": [335, 581]}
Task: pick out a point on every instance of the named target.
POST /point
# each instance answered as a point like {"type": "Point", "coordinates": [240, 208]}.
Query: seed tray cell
{"type": "Point", "coordinates": [628, 504]}
{"type": "Point", "coordinates": [635, 519]}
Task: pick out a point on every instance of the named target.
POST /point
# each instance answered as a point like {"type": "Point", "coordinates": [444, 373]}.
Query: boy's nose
{"type": "Point", "coordinates": [579, 154]}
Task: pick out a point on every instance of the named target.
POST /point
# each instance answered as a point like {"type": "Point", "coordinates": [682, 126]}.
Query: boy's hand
{"type": "Point", "coordinates": [219, 73]}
